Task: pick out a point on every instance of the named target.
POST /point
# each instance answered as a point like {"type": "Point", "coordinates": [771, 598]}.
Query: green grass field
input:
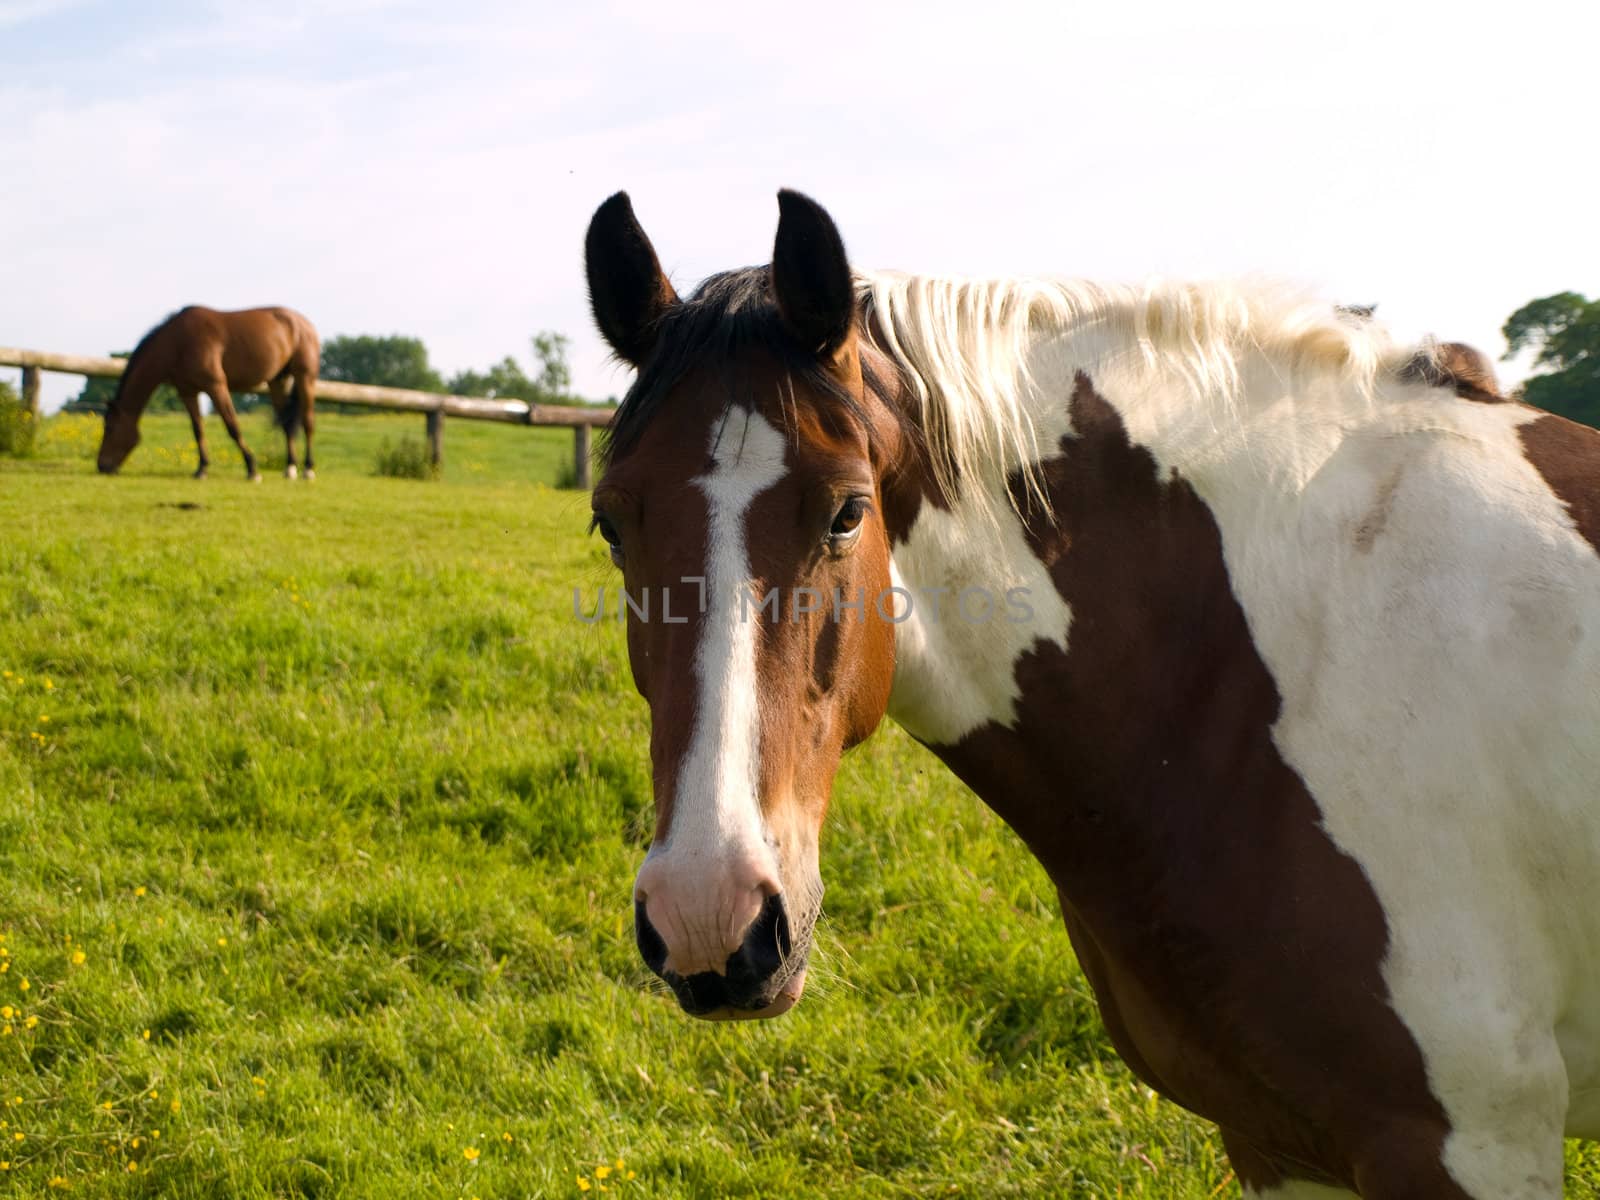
{"type": "Point", "coordinates": [318, 818]}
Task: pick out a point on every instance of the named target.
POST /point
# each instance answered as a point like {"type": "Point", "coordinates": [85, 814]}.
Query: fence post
{"type": "Point", "coordinates": [436, 437]}
{"type": "Point", "coordinates": [30, 390]}
{"type": "Point", "coordinates": [580, 457]}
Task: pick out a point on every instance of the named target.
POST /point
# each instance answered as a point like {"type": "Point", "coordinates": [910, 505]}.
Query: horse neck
{"type": "Point", "coordinates": [144, 373]}
{"type": "Point", "coordinates": [1125, 449]}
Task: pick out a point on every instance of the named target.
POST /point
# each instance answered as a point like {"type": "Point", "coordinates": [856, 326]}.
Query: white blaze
{"type": "Point", "coordinates": [702, 885]}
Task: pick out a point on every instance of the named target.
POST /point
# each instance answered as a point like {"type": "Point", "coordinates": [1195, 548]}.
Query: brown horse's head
{"type": "Point", "coordinates": [121, 434]}
{"type": "Point", "coordinates": [743, 501]}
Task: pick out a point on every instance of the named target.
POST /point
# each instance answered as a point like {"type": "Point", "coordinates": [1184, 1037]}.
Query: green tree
{"type": "Point", "coordinates": [1563, 331]}
{"type": "Point", "coordinates": [555, 373]}
{"type": "Point", "coordinates": [393, 361]}
{"type": "Point", "coordinates": [506, 380]}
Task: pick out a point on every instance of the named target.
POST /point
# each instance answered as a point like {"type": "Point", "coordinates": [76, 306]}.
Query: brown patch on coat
{"type": "Point", "coordinates": [1455, 365]}
{"type": "Point", "coordinates": [1235, 950]}
{"type": "Point", "coordinates": [1567, 455]}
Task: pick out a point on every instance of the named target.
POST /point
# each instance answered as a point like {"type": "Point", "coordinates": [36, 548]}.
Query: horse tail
{"type": "Point", "coordinates": [288, 414]}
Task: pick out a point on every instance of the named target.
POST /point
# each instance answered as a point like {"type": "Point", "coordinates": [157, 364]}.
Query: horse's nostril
{"type": "Point", "coordinates": [651, 948]}
{"type": "Point", "coordinates": [746, 980]}
{"type": "Point", "coordinates": [766, 945]}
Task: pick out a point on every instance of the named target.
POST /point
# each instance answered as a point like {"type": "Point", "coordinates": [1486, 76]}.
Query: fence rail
{"type": "Point", "coordinates": [436, 406]}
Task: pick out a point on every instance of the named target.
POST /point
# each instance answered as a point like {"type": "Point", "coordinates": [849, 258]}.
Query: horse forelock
{"type": "Point", "coordinates": [730, 317]}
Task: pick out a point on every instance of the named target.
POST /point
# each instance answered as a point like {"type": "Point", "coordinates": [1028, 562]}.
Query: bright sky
{"type": "Point", "coordinates": [429, 167]}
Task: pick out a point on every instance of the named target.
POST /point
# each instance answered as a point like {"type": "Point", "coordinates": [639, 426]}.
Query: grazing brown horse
{"type": "Point", "coordinates": [1280, 654]}
{"type": "Point", "coordinates": [202, 350]}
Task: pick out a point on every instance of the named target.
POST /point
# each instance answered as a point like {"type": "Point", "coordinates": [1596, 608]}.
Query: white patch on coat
{"type": "Point", "coordinates": [1432, 618]}
{"type": "Point", "coordinates": [703, 884]}
{"type": "Point", "coordinates": [955, 673]}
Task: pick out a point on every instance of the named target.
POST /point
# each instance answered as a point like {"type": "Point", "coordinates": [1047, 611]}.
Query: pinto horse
{"type": "Point", "coordinates": [202, 350]}
{"type": "Point", "coordinates": [1277, 642]}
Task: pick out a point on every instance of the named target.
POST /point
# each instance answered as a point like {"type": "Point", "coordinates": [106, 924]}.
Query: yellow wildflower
{"type": "Point", "coordinates": [258, 1081]}
{"type": "Point", "coordinates": [5, 1166]}
{"type": "Point", "coordinates": [175, 1106]}
{"type": "Point", "coordinates": [44, 718]}
{"type": "Point", "coordinates": [583, 1184]}
{"type": "Point", "coordinates": [106, 1104]}
{"type": "Point", "coordinates": [18, 1136]}
{"type": "Point", "coordinates": [59, 1182]}
{"type": "Point", "coordinates": [222, 941]}
{"type": "Point", "coordinates": [155, 1133]}
{"type": "Point", "coordinates": [31, 1023]}
{"type": "Point", "coordinates": [48, 686]}
{"type": "Point", "coordinates": [7, 1012]}
{"type": "Point", "coordinates": [135, 1143]}
{"type": "Point", "coordinates": [147, 1035]}
{"type": "Point", "coordinates": [601, 1172]}
{"type": "Point", "coordinates": [24, 985]}
{"type": "Point", "coordinates": [506, 1136]}
{"type": "Point", "coordinates": [470, 1154]}
{"type": "Point", "coordinates": [139, 891]}
{"type": "Point", "coordinates": [77, 958]}
{"type": "Point", "coordinates": [132, 1166]}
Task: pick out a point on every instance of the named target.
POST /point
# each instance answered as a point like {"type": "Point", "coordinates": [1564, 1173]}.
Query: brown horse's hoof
{"type": "Point", "coordinates": [200, 473]}
{"type": "Point", "coordinates": [310, 473]}
{"type": "Point", "coordinates": [289, 472]}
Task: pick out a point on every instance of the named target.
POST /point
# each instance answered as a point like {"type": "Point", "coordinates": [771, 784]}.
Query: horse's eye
{"type": "Point", "coordinates": [847, 521]}
{"type": "Point", "coordinates": [612, 537]}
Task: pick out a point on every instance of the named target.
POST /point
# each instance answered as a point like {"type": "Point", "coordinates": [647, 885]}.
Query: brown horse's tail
{"type": "Point", "coordinates": [288, 416]}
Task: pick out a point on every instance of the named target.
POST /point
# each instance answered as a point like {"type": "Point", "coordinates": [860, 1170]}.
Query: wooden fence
{"type": "Point", "coordinates": [433, 405]}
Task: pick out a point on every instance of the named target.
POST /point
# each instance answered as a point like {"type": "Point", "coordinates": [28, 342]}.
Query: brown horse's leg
{"type": "Point", "coordinates": [305, 388]}
{"type": "Point", "coordinates": [223, 399]}
{"type": "Point", "coordinates": [281, 399]}
{"type": "Point", "coordinates": [191, 402]}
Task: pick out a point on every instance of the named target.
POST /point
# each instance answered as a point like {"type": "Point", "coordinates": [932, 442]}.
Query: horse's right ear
{"type": "Point", "coordinates": [627, 288]}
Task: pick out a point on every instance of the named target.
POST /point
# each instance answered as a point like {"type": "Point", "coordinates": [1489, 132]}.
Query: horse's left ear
{"type": "Point", "coordinates": [811, 279]}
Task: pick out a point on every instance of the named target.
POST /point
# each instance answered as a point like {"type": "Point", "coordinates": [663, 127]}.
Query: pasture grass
{"type": "Point", "coordinates": [318, 818]}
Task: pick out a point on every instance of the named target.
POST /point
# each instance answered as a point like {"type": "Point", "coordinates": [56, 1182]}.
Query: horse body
{"type": "Point", "coordinates": [1281, 652]}
{"type": "Point", "coordinates": [1334, 703]}
{"type": "Point", "coordinates": [204, 350]}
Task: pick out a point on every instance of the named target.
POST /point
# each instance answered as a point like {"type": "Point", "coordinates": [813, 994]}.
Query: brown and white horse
{"type": "Point", "coordinates": [1276, 640]}
{"type": "Point", "coordinates": [203, 350]}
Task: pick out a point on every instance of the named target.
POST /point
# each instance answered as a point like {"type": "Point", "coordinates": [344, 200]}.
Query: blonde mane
{"type": "Point", "coordinates": [964, 348]}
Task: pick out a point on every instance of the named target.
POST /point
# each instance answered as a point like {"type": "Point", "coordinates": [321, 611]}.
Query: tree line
{"type": "Point", "coordinates": [398, 361]}
{"type": "Point", "coordinates": [1563, 331]}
